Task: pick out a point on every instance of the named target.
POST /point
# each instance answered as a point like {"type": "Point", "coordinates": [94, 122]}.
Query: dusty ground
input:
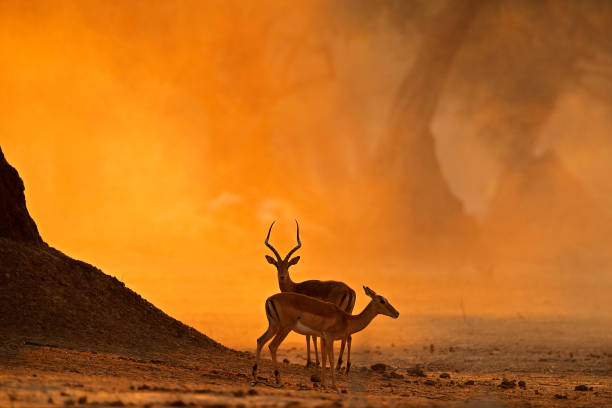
{"type": "Point", "coordinates": [547, 357]}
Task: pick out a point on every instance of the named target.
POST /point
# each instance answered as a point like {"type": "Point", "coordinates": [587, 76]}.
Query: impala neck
{"type": "Point", "coordinates": [359, 322]}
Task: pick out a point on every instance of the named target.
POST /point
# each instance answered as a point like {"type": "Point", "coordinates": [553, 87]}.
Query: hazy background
{"type": "Point", "coordinates": [455, 156]}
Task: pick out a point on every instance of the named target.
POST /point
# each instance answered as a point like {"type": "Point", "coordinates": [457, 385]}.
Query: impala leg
{"type": "Point", "coordinates": [314, 341]}
{"type": "Point", "coordinates": [339, 366]}
{"type": "Point", "coordinates": [349, 340]}
{"type": "Point", "coordinates": [308, 361]}
{"type": "Point", "coordinates": [260, 343]}
{"type": "Point", "coordinates": [330, 351]}
{"type": "Point", "coordinates": [324, 360]}
{"type": "Point", "coordinates": [278, 339]}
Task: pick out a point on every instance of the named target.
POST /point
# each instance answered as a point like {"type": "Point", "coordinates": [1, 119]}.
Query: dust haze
{"type": "Point", "coordinates": [455, 157]}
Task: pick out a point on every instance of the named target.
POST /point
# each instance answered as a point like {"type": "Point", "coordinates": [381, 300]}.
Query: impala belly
{"type": "Point", "coordinates": [301, 328]}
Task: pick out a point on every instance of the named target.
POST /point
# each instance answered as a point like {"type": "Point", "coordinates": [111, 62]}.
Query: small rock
{"type": "Point", "coordinates": [396, 376]}
{"type": "Point", "coordinates": [416, 371]}
{"type": "Point", "coordinates": [536, 392]}
{"type": "Point", "coordinates": [252, 392]}
{"type": "Point", "coordinates": [429, 382]}
{"type": "Point", "coordinates": [445, 375]}
{"type": "Point", "coordinates": [177, 403]}
{"type": "Point", "coordinates": [82, 400]}
{"type": "Point", "coordinates": [560, 396]}
{"type": "Point", "coordinates": [69, 402]}
{"type": "Point", "coordinates": [50, 400]}
{"type": "Point", "coordinates": [344, 391]}
{"type": "Point", "coordinates": [522, 384]}
{"type": "Point", "coordinates": [507, 384]}
{"type": "Point", "coordinates": [431, 348]}
{"type": "Point", "coordinates": [286, 361]}
{"type": "Point", "coordinates": [583, 387]}
{"type": "Point", "coordinates": [239, 393]}
{"type": "Point", "coordinates": [379, 367]}
{"type": "Point", "coordinates": [315, 378]}
{"type": "Point", "coordinates": [469, 382]}
{"type": "Point", "coordinates": [451, 349]}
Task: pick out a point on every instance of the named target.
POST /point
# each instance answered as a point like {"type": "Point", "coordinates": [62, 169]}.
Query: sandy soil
{"type": "Point", "coordinates": [551, 367]}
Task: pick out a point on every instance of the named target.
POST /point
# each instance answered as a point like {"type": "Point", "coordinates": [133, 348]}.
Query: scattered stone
{"type": "Point", "coordinates": [344, 391]}
{"type": "Point", "coordinates": [379, 367]}
{"type": "Point", "coordinates": [286, 361]}
{"type": "Point", "coordinates": [583, 387]}
{"type": "Point", "coordinates": [82, 400]}
{"type": "Point", "coordinates": [177, 403]}
{"type": "Point", "coordinates": [394, 375]}
{"type": "Point", "coordinates": [469, 382]}
{"type": "Point", "coordinates": [50, 400]}
{"type": "Point", "coordinates": [429, 382]}
{"type": "Point", "coordinates": [560, 396]}
{"type": "Point", "coordinates": [507, 384]}
{"type": "Point", "coordinates": [416, 371]}
{"type": "Point", "coordinates": [143, 387]}
{"type": "Point", "coordinates": [451, 349]}
{"type": "Point", "coordinates": [431, 348]}
{"type": "Point", "coordinates": [239, 393]}
{"type": "Point", "coordinates": [315, 378]}
{"type": "Point", "coordinates": [69, 402]}
{"type": "Point", "coordinates": [117, 403]}
{"type": "Point", "coordinates": [445, 375]}
{"type": "Point", "coordinates": [536, 392]}
{"type": "Point", "coordinates": [522, 384]}
{"type": "Point", "coordinates": [252, 392]}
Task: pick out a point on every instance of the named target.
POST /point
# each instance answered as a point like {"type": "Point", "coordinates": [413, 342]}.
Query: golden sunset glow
{"type": "Point", "coordinates": [159, 140]}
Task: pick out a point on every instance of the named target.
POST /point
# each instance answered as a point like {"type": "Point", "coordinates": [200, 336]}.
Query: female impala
{"type": "Point", "coordinates": [309, 316]}
{"type": "Point", "coordinates": [335, 292]}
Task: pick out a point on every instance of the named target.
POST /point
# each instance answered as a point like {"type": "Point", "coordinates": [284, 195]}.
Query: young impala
{"type": "Point", "coordinates": [335, 292]}
{"type": "Point", "coordinates": [309, 316]}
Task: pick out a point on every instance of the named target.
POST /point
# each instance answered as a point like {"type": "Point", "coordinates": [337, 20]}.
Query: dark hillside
{"type": "Point", "coordinates": [47, 297]}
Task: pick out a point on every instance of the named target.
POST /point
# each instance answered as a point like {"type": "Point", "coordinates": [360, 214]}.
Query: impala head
{"type": "Point", "coordinates": [282, 265]}
{"type": "Point", "coordinates": [381, 305]}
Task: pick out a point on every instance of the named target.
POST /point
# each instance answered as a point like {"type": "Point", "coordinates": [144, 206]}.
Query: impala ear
{"type": "Point", "coordinates": [369, 292]}
{"type": "Point", "coordinates": [293, 261]}
{"type": "Point", "coordinates": [271, 260]}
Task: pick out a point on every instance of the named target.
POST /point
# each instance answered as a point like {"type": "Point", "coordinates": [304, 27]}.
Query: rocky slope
{"type": "Point", "coordinates": [47, 297]}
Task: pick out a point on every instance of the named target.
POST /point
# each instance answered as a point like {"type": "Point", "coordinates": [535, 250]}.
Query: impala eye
{"type": "Point", "coordinates": [382, 301]}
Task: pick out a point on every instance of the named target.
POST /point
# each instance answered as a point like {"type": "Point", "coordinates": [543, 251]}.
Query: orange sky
{"type": "Point", "coordinates": [158, 141]}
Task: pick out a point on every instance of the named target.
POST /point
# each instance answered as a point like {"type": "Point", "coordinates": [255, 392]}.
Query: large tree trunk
{"type": "Point", "coordinates": [432, 218]}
